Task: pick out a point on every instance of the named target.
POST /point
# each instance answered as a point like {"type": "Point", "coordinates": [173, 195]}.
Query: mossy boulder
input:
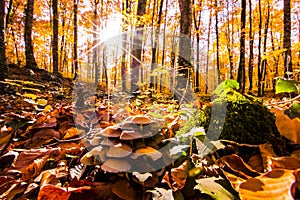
{"type": "Point", "coordinates": [236, 117]}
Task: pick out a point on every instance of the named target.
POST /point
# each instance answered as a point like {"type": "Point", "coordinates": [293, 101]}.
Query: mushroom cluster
{"type": "Point", "coordinates": [132, 145]}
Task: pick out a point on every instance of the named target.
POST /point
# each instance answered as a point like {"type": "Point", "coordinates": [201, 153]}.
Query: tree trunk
{"type": "Point", "coordinates": [3, 60]}
{"type": "Point", "coordinates": [241, 70]}
{"type": "Point", "coordinates": [259, 66]}
{"type": "Point", "coordinates": [55, 36]}
{"type": "Point", "coordinates": [30, 60]}
{"type": "Point", "coordinates": [287, 38]}
{"type": "Point", "coordinates": [251, 45]}
{"type": "Point", "coordinates": [184, 58]}
{"type": "Point", "coordinates": [75, 10]}
{"type": "Point", "coordinates": [207, 56]}
{"type": "Point", "coordinates": [125, 9]}
{"type": "Point", "coordinates": [197, 28]}
{"type": "Point", "coordinates": [137, 51]}
{"type": "Point", "coordinates": [264, 62]}
{"type": "Point", "coordinates": [95, 41]}
{"type": "Point", "coordinates": [217, 40]}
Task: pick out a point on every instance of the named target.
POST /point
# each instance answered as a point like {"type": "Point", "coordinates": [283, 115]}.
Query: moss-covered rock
{"type": "Point", "coordinates": [245, 120]}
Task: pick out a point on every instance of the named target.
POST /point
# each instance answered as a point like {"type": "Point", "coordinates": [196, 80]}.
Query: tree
{"type": "Point", "coordinates": [241, 70]}
{"type": "Point", "coordinates": [251, 46]}
{"type": "Point", "coordinates": [3, 60]}
{"type": "Point", "coordinates": [217, 38]}
{"type": "Point", "coordinates": [75, 31]}
{"type": "Point", "coordinates": [137, 44]}
{"type": "Point", "coordinates": [287, 38]}
{"type": "Point", "coordinates": [30, 59]}
{"type": "Point", "coordinates": [184, 58]}
{"type": "Point", "coordinates": [55, 36]}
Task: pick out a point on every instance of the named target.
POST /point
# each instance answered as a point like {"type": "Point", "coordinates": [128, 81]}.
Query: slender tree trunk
{"type": "Point", "coordinates": [30, 60]}
{"type": "Point", "coordinates": [125, 9]}
{"type": "Point", "coordinates": [287, 38]}
{"type": "Point", "coordinates": [264, 62]}
{"type": "Point", "coordinates": [259, 75]}
{"type": "Point", "coordinates": [55, 36]}
{"type": "Point", "coordinates": [241, 70]}
{"type": "Point", "coordinates": [75, 10]}
{"type": "Point", "coordinates": [63, 42]}
{"type": "Point", "coordinates": [207, 56]}
{"type": "Point", "coordinates": [251, 46]}
{"type": "Point", "coordinates": [137, 51]}
{"type": "Point", "coordinates": [95, 41]}
{"type": "Point", "coordinates": [228, 42]}
{"type": "Point", "coordinates": [217, 40]}
{"type": "Point", "coordinates": [3, 59]}
{"type": "Point", "coordinates": [276, 58]}
{"type": "Point", "coordinates": [184, 58]}
{"type": "Point", "coordinates": [197, 28]}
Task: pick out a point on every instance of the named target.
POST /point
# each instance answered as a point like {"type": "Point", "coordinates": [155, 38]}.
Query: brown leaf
{"type": "Point", "coordinates": [123, 190]}
{"type": "Point", "coordinates": [238, 167]}
{"type": "Point", "coordinates": [285, 162]}
{"type": "Point", "coordinates": [43, 137]}
{"type": "Point", "coordinates": [177, 179]}
{"type": "Point", "coordinates": [272, 185]}
{"type": "Point", "coordinates": [266, 152]}
{"type": "Point", "coordinates": [288, 127]}
{"type": "Point", "coordinates": [50, 192]}
{"type": "Point", "coordinates": [31, 162]}
{"type": "Point", "coordinates": [72, 133]}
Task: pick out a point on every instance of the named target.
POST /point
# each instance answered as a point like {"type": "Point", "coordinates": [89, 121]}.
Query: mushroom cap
{"type": "Point", "coordinates": [119, 150]}
{"type": "Point", "coordinates": [129, 125]}
{"type": "Point", "coordinates": [147, 151]}
{"type": "Point", "coordinates": [93, 157]}
{"type": "Point", "coordinates": [116, 166]}
{"type": "Point", "coordinates": [111, 131]}
{"type": "Point", "coordinates": [130, 135]}
{"type": "Point", "coordinates": [141, 119]}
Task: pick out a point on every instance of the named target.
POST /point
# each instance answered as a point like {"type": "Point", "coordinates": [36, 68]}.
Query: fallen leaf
{"type": "Point", "coordinates": [272, 185]}
{"type": "Point", "coordinates": [31, 162]}
{"type": "Point", "coordinates": [161, 194]}
{"type": "Point", "coordinates": [217, 188]}
{"type": "Point", "coordinates": [177, 178]}
{"type": "Point", "coordinates": [123, 190]}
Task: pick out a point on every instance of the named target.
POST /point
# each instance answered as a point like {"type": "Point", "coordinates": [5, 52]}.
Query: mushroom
{"type": "Point", "coordinates": [111, 131]}
{"type": "Point", "coordinates": [130, 135]}
{"type": "Point", "coordinates": [146, 151]}
{"type": "Point", "coordinates": [119, 150]}
{"type": "Point", "coordinates": [129, 125]}
{"type": "Point", "coordinates": [141, 120]}
{"type": "Point", "coordinates": [116, 166]}
{"type": "Point", "coordinates": [93, 157]}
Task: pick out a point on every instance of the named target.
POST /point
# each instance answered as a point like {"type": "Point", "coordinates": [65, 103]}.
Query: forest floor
{"type": "Point", "coordinates": [54, 148]}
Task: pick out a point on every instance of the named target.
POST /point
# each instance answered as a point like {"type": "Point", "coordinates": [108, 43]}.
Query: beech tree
{"type": "Point", "coordinates": [3, 60]}
{"type": "Point", "coordinates": [287, 38]}
{"type": "Point", "coordinates": [30, 59]}
{"type": "Point", "coordinates": [55, 36]}
{"type": "Point", "coordinates": [241, 70]}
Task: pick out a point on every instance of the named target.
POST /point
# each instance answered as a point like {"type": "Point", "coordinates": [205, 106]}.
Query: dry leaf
{"type": "Point", "coordinates": [288, 127]}
{"type": "Point", "coordinates": [176, 180]}
{"type": "Point", "coordinates": [31, 162]}
{"type": "Point", "coordinates": [238, 166]}
{"type": "Point", "coordinates": [123, 190]}
{"type": "Point", "coordinates": [272, 185]}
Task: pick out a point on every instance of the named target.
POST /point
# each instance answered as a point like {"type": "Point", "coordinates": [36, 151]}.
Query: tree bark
{"type": "Point", "coordinates": [75, 30]}
{"type": "Point", "coordinates": [241, 70]}
{"type": "Point", "coordinates": [3, 59]}
{"type": "Point", "coordinates": [30, 59]}
{"type": "Point", "coordinates": [217, 40]}
{"type": "Point", "coordinates": [55, 36]}
{"type": "Point", "coordinates": [251, 46]}
{"type": "Point", "coordinates": [287, 38]}
{"type": "Point", "coordinates": [137, 51]}
{"type": "Point", "coordinates": [184, 58]}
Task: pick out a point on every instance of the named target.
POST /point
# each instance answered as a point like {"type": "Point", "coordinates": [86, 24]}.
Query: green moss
{"type": "Point", "coordinates": [247, 120]}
